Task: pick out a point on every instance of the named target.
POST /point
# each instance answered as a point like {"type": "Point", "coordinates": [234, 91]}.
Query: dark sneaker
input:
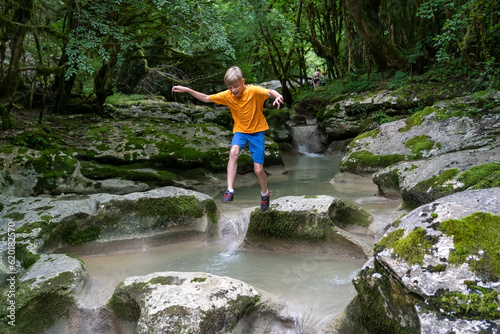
{"type": "Point", "coordinates": [264, 205]}
{"type": "Point", "coordinates": [228, 197]}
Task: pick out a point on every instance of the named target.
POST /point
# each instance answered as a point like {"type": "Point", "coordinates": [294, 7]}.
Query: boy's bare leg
{"type": "Point", "coordinates": [232, 165]}
{"type": "Point", "coordinates": [261, 175]}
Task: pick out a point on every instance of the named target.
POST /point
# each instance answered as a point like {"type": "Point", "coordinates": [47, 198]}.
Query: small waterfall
{"type": "Point", "coordinates": [308, 139]}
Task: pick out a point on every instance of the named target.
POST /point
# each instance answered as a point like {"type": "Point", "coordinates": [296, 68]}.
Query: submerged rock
{"type": "Point", "coordinates": [435, 271]}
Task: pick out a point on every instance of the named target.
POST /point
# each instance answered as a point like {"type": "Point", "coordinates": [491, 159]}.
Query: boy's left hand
{"type": "Point", "coordinates": [278, 101]}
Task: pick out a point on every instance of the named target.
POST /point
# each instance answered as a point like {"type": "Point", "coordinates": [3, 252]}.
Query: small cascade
{"type": "Point", "coordinates": [308, 139]}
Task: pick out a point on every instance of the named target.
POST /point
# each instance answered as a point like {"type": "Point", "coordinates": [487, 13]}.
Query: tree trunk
{"type": "Point", "coordinates": [101, 80]}
{"type": "Point", "coordinates": [21, 17]}
{"type": "Point", "coordinates": [385, 54]}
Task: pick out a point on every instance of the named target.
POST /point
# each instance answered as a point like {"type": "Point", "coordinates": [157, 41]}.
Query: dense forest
{"type": "Point", "coordinates": [68, 56]}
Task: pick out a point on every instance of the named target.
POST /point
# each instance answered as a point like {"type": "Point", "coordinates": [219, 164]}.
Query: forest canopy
{"type": "Point", "coordinates": [65, 56]}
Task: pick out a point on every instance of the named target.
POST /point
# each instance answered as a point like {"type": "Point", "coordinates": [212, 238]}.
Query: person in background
{"type": "Point", "coordinates": [246, 103]}
{"type": "Point", "coordinates": [315, 78]}
{"type": "Point", "coordinates": [323, 78]}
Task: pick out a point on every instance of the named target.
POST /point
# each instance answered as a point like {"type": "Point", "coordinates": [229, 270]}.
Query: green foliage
{"type": "Point", "coordinates": [476, 239]}
{"type": "Point", "coordinates": [6, 119]}
{"type": "Point", "coordinates": [398, 80]}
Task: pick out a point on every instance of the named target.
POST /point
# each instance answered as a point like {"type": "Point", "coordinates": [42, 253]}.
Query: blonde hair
{"type": "Point", "coordinates": [233, 76]}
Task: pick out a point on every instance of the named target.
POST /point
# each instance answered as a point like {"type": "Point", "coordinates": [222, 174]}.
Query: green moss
{"type": "Point", "coordinates": [411, 248]}
{"type": "Point", "coordinates": [74, 236]}
{"type": "Point", "coordinates": [289, 225]}
{"type": "Point", "coordinates": [168, 207]}
{"type": "Point", "coordinates": [476, 239]}
{"type": "Point", "coordinates": [414, 246]}
{"type": "Point", "coordinates": [389, 180]}
{"type": "Point", "coordinates": [388, 240]}
{"type": "Point", "coordinates": [15, 216]}
{"type": "Point", "coordinates": [25, 256]}
{"type": "Point", "coordinates": [95, 133]}
{"type": "Point", "coordinates": [135, 172]}
{"type": "Point", "coordinates": [44, 227]}
{"type": "Point", "coordinates": [211, 210]}
{"type": "Point", "coordinates": [52, 165]}
{"type": "Point", "coordinates": [417, 118]}
{"type": "Point", "coordinates": [481, 177]}
{"type": "Point", "coordinates": [163, 280]}
{"type": "Point", "coordinates": [379, 306]}
{"type": "Point", "coordinates": [369, 134]}
{"type": "Point", "coordinates": [215, 321]}
{"type": "Point", "coordinates": [431, 189]}
{"type": "Point", "coordinates": [198, 280]}
{"type": "Point", "coordinates": [419, 144]}
{"type": "Point", "coordinates": [38, 309]}
{"type": "Point", "coordinates": [38, 139]}
{"type": "Point", "coordinates": [478, 304]}
{"type": "Point", "coordinates": [438, 268]}
{"type": "Point", "coordinates": [364, 160]}
{"type": "Point", "coordinates": [123, 305]}
{"type": "Point", "coordinates": [350, 214]}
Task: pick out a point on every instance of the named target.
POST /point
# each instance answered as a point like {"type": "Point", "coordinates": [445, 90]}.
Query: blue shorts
{"type": "Point", "coordinates": [256, 144]}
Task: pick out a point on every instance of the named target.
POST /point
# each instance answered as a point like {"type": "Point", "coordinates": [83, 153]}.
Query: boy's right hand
{"type": "Point", "coordinates": [178, 89]}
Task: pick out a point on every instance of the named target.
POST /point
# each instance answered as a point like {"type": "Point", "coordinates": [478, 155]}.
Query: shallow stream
{"type": "Point", "coordinates": [317, 287]}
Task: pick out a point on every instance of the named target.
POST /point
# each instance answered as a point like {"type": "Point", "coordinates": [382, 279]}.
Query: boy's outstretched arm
{"type": "Point", "coordinates": [200, 96]}
{"type": "Point", "coordinates": [278, 99]}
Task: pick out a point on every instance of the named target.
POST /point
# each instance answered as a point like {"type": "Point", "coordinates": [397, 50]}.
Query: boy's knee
{"type": "Point", "coordinates": [258, 168]}
{"type": "Point", "coordinates": [234, 153]}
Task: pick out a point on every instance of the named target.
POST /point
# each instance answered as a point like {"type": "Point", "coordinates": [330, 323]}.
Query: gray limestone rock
{"type": "Point", "coordinates": [309, 225]}
{"type": "Point", "coordinates": [434, 271]}
{"type": "Point", "coordinates": [195, 302]}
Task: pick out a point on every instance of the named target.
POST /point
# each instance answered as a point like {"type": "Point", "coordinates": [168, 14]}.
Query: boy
{"type": "Point", "coordinates": [246, 103]}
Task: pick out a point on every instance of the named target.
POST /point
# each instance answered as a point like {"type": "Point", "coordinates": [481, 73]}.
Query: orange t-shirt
{"type": "Point", "coordinates": [247, 110]}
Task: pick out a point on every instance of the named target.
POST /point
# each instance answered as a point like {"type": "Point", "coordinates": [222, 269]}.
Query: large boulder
{"type": "Point", "coordinates": [425, 180]}
{"type": "Point", "coordinates": [42, 295]}
{"type": "Point", "coordinates": [309, 225]}
{"type": "Point", "coordinates": [348, 116]}
{"type": "Point", "coordinates": [27, 172]}
{"type": "Point", "coordinates": [437, 270]}
{"type": "Point", "coordinates": [138, 144]}
{"type": "Point", "coordinates": [195, 302]}
{"type": "Point", "coordinates": [45, 224]}
{"type": "Point", "coordinates": [422, 157]}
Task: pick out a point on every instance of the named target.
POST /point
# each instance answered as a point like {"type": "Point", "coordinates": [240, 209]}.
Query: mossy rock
{"type": "Point", "coordinates": [44, 294]}
{"type": "Point", "coordinates": [367, 162]}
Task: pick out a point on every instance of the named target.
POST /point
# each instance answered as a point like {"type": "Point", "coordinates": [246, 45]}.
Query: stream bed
{"type": "Point", "coordinates": [316, 287]}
